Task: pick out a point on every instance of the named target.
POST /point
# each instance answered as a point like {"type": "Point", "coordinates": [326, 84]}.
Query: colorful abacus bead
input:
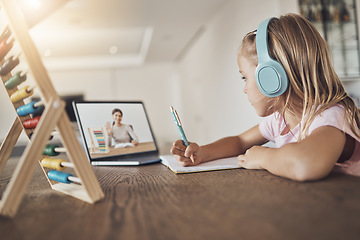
{"type": "Point", "coordinates": [31, 123]}
{"type": "Point", "coordinates": [53, 150]}
{"type": "Point", "coordinates": [21, 94]}
{"type": "Point", "coordinates": [15, 80]}
{"type": "Point", "coordinates": [5, 47]}
{"type": "Point", "coordinates": [53, 163]}
{"type": "Point", "coordinates": [56, 163]}
{"type": "Point", "coordinates": [29, 108]}
{"type": "Point", "coordinates": [62, 177]}
{"type": "Point", "coordinates": [9, 65]}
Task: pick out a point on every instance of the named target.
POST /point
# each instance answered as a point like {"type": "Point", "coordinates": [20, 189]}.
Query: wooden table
{"type": "Point", "coordinates": [151, 202]}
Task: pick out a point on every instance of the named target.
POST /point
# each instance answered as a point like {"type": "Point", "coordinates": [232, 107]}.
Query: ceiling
{"type": "Point", "coordinates": [119, 33]}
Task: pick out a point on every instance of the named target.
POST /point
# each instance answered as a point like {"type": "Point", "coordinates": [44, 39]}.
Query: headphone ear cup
{"type": "Point", "coordinates": [270, 75]}
{"type": "Point", "coordinates": [271, 78]}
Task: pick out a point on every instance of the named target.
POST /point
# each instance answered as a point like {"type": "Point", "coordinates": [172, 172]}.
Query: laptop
{"type": "Point", "coordinates": [109, 141]}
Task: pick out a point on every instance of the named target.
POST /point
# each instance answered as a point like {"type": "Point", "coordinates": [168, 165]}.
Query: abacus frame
{"type": "Point", "coordinates": [54, 116]}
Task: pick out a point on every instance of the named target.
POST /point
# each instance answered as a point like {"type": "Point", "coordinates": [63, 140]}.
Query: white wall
{"type": "Point", "coordinates": [214, 104]}
{"type": "Point", "coordinates": [151, 84]}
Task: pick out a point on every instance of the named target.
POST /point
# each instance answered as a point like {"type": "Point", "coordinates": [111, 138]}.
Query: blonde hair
{"type": "Point", "coordinates": [313, 84]}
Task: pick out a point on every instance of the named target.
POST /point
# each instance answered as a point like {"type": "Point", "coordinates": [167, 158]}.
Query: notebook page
{"type": "Point", "coordinates": [220, 164]}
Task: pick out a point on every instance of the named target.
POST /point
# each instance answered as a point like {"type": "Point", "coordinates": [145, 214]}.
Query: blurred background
{"type": "Point", "coordinates": [170, 53]}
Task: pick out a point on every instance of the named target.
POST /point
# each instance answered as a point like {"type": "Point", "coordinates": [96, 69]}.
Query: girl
{"type": "Point", "coordinates": [120, 132]}
{"type": "Point", "coordinates": [313, 122]}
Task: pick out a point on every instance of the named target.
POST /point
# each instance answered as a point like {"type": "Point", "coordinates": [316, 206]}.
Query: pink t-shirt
{"type": "Point", "coordinates": [272, 126]}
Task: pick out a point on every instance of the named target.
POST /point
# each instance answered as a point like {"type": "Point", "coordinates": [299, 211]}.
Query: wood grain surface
{"type": "Point", "coordinates": [151, 202]}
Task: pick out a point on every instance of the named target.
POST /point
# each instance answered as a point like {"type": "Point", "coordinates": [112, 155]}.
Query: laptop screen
{"type": "Point", "coordinates": [112, 129]}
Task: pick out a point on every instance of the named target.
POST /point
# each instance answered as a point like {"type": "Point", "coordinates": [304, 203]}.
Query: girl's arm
{"type": "Point", "coordinates": [310, 159]}
{"type": "Point", "coordinates": [225, 147]}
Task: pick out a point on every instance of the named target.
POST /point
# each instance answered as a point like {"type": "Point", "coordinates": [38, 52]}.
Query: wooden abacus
{"type": "Point", "coordinates": [38, 130]}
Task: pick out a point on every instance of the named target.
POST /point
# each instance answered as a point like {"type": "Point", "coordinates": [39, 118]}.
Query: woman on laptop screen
{"type": "Point", "coordinates": [98, 129]}
{"type": "Point", "coordinates": [120, 134]}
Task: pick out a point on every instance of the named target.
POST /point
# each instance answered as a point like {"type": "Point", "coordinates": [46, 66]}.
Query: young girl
{"type": "Point", "coordinates": [313, 122]}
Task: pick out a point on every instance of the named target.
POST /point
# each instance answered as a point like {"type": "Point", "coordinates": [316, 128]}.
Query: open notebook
{"type": "Point", "coordinates": [220, 164]}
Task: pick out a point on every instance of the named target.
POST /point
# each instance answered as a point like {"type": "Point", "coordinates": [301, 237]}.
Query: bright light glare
{"type": "Point", "coordinates": [34, 4]}
{"type": "Point", "coordinates": [113, 49]}
{"type": "Point", "coordinates": [47, 53]}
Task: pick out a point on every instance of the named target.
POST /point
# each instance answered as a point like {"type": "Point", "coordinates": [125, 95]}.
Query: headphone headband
{"type": "Point", "coordinates": [262, 41]}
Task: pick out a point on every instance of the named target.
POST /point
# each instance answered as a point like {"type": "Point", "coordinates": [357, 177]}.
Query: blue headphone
{"type": "Point", "coordinates": [270, 75]}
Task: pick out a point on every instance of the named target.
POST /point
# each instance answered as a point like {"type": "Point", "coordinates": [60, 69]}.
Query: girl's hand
{"type": "Point", "coordinates": [253, 157]}
{"type": "Point", "coordinates": [186, 156]}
